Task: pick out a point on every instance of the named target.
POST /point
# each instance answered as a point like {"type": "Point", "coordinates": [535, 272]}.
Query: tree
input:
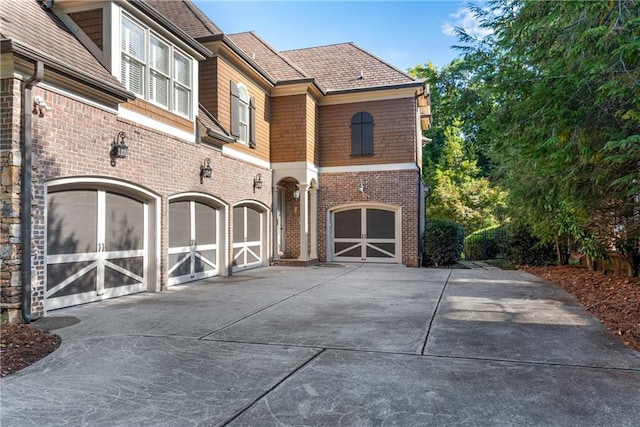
{"type": "Point", "coordinates": [563, 128]}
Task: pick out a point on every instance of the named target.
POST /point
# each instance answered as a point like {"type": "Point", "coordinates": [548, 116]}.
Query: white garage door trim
{"type": "Point", "coordinates": [250, 250]}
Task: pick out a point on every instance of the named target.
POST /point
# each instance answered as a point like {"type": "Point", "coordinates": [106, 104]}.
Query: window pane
{"type": "Point", "coordinates": [182, 70]}
{"type": "Point", "coordinates": [181, 99]}
{"type": "Point", "coordinates": [158, 87]}
{"type": "Point", "coordinates": [72, 222]}
{"type": "Point", "coordinates": [132, 75]}
{"type": "Point", "coordinates": [348, 224]}
{"type": "Point", "coordinates": [381, 224]}
{"type": "Point", "coordinates": [132, 39]}
{"type": "Point", "coordinates": [179, 224]}
{"type": "Point", "coordinates": [244, 132]}
{"type": "Point", "coordinates": [159, 56]}
{"type": "Point", "coordinates": [124, 223]}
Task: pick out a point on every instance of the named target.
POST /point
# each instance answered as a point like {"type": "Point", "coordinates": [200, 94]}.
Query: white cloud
{"type": "Point", "coordinates": [465, 19]}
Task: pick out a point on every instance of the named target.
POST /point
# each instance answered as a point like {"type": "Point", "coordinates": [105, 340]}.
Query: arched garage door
{"type": "Point", "coordinates": [193, 241]}
{"type": "Point", "coordinates": [248, 237]}
{"type": "Point", "coordinates": [365, 234]}
{"type": "Point", "coordinates": [96, 246]}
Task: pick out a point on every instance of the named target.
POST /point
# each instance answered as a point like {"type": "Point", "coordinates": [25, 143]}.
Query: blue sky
{"type": "Point", "coordinates": [403, 33]}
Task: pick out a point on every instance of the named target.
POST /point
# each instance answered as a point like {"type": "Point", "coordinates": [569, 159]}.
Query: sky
{"type": "Point", "coordinates": [402, 33]}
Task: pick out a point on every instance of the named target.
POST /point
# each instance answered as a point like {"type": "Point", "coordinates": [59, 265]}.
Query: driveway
{"type": "Point", "coordinates": [332, 345]}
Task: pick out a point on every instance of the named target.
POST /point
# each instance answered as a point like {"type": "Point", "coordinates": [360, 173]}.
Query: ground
{"type": "Point", "coordinates": [614, 300]}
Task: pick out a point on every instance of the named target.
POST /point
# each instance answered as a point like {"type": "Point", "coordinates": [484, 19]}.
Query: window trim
{"type": "Point", "coordinates": [241, 104]}
{"type": "Point", "coordinates": [149, 70]}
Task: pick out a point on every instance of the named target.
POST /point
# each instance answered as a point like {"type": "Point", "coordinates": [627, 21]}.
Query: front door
{"type": "Point", "coordinates": [193, 241]}
{"type": "Point", "coordinates": [365, 235]}
{"type": "Point", "coordinates": [96, 246]}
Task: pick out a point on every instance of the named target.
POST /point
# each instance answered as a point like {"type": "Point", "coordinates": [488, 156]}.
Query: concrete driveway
{"type": "Point", "coordinates": [364, 345]}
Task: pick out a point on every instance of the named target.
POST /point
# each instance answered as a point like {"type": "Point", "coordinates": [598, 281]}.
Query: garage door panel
{"type": "Point", "coordinates": [253, 225]}
{"type": "Point", "coordinates": [205, 218]}
{"type": "Point", "coordinates": [205, 264]}
{"type": "Point", "coordinates": [381, 250]}
{"type": "Point", "coordinates": [179, 227]}
{"type": "Point", "coordinates": [348, 224]}
{"type": "Point", "coordinates": [134, 265]}
{"type": "Point", "coordinates": [380, 224]}
{"type": "Point", "coordinates": [124, 223]}
{"type": "Point", "coordinates": [115, 279]}
{"type": "Point", "coordinates": [72, 222]}
{"type": "Point", "coordinates": [247, 237]}
{"type": "Point", "coordinates": [59, 273]}
{"type": "Point", "coordinates": [182, 269]}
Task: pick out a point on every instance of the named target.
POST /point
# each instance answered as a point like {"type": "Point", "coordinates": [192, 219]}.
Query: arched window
{"type": "Point", "coordinates": [362, 134]}
{"type": "Point", "coordinates": [242, 114]}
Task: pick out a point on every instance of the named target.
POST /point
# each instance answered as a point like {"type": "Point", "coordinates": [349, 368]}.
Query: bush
{"type": "Point", "coordinates": [520, 247]}
{"type": "Point", "coordinates": [482, 244]}
{"type": "Point", "coordinates": [443, 242]}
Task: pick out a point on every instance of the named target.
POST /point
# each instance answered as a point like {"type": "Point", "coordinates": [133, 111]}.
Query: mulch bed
{"type": "Point", "coordinates": [23, 345]}
{"type": "Point", "coordinates": [613, 299]}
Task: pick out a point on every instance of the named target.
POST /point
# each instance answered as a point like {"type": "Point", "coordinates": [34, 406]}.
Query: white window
{"type": "Point", "coordinates": [243, 113]}
{"type": "Point", "coordinates": [154, 69]}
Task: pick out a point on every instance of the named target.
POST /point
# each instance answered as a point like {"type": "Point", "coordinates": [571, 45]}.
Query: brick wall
{"type": "Point", "coordinates": [73, 140]}
{"type": "Point", "coordinates": [394, 132]}
{"type": "Point", "coordinates": [399, 188]}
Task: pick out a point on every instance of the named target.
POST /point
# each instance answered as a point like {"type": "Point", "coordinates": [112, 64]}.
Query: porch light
{"type": "Point", "coordinates": [205, 169]}
{"type": "Point", "coordinates": [296, 193]}
{"type": "Point", "coordinates": [257, 182]}
{"type": "Point", "coordinates": [119, 150]}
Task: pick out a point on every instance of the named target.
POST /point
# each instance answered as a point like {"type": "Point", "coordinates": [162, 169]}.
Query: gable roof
{"type": "Point", "coordinates": [66, 55]}
{"type": "Point", "coordinates": [345, 67]}
{"type": "Point", "coordinates": [186, 16]}
{"type": "Point", "coordinates": [278, 66]}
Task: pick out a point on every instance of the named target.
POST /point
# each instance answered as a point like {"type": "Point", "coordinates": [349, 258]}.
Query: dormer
{"type": "Point", "coordinates": [147, 53]}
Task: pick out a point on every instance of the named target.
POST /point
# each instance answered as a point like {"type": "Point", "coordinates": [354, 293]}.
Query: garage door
{"type": "Point", "coordinates": [365, 234]}
{"type": "Point", "coordinates": [247, 237]}
{"type": "Point", "coordinates": [96, 246]}
{"type": "Point", "coordinates": [193, 241]}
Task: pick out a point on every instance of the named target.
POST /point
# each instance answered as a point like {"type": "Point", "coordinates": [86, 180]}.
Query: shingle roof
{"type": "Point", "coordinates": [266, 56]}
{"type": "Point", "coordinates": [47, 37]}
{"type": "Point", "coordinates": [214, 128]}
{"type": "Point", "coordinates": [346, 66]}
{"type": "Point", "coordinates": [185, 15]}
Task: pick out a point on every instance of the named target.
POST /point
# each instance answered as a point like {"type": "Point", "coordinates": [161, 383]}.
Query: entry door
{"type": "Point", "coordinates": [365, 234]}
{"type": "Point", "coordinates": [193, 241]}
{"type": "Point", "coordinates": [96, 246]}
{"type": "Point", "coordinates": [247, 238]}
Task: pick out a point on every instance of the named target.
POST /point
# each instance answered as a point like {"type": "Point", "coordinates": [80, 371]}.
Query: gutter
{"type": "Point", "coordinates": [25, 190]}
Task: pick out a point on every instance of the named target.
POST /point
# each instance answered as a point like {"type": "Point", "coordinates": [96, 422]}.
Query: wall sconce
{"type": "Point", "coordinates": [257, 182]}
{"type": "Point", "coordinates": [118, 150]}
{"type": "Point", "coordinates": [40, 106]}
{"type": "Point", "coordinates": [361, 187]}
{"type": "Point", "coordinates": [296, 193]}
{"type": "Point", "coordinates": [205, 169]}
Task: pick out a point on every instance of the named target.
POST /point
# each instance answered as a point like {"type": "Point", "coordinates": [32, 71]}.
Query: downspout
{"type": "Point", "coordinates": [25, 191]}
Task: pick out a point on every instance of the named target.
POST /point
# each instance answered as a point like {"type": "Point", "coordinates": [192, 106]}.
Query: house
{"type": "Point", "coordinates": [155, 150]}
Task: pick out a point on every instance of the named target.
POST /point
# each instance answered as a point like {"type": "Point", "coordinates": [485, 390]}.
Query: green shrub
{"type": "Point", "coordinates": [443, 241]}
{"type": "Point", "coordinates": [482, 244]}
{"type": "Point", "coordinates": [520, 247]}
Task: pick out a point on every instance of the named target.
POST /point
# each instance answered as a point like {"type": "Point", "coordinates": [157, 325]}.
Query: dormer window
{"type": "Point", "coordinates": [154, 69]}
{"type": "Point", "coordinates": [243, 114]}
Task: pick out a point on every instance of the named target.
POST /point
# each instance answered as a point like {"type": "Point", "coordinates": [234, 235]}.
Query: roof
{"type": "Point", "coordinates": [278, 66]}
{"type": "Point", "coordinates": [214, 128]}
{"type": "Point", "coordinates": [345, 66]}
{"type": "Point", "coordinates": [66, 55]}
{"type": "Point", "coordinates": [186, 16]}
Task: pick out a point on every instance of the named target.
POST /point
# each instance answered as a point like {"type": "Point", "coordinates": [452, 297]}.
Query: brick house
{"type": "Point", "coordinates": [158, 150]}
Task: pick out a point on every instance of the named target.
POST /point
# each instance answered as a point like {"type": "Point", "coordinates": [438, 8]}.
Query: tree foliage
{"type": "Point", "coordinates": [560, 115]}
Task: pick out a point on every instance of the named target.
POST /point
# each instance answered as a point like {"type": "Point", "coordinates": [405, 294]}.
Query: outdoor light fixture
{"type": "Point", "coordinates": [118, 150]}
{"type": "Point", "coordinates": [296, 193]}
{"type": "Point", "coordinates": [205, 169]}
{"type": "Point", "coordinates": [257, 182]}
{"type": "Point", "coordinates": [361, 187]}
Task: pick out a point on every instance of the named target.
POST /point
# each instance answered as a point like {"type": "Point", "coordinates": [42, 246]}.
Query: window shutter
{"type": "Point", "coordinates": [235, 107]}
{"type": "Point", "coordinates": [252, 122]}
{"type": "Point", "coordinates": [356, 135]}
{"type": "Point", "coordinates": [367, 134]}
